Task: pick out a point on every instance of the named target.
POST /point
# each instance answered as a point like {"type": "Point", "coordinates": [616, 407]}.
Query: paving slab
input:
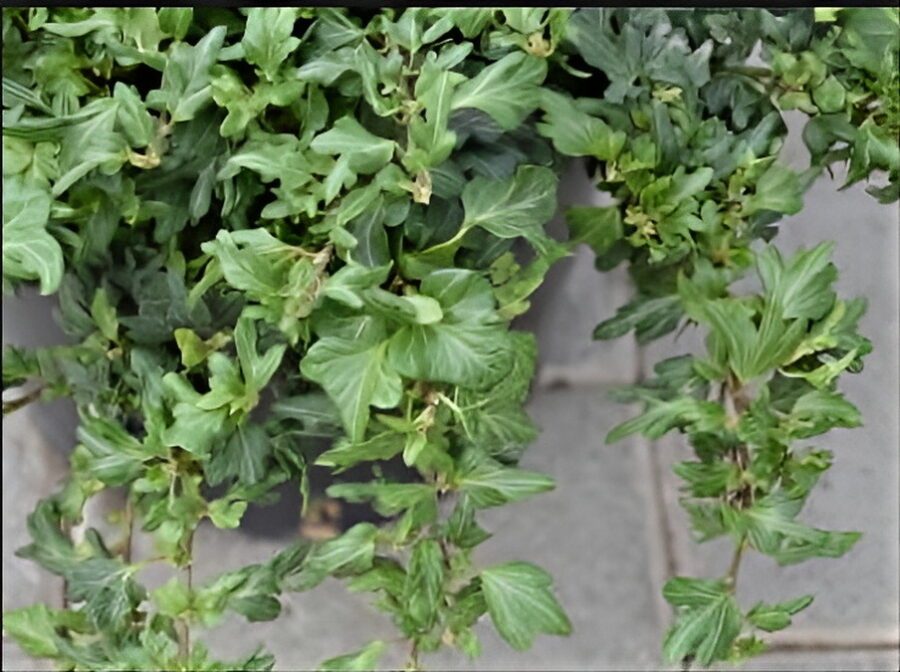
{"type": "Point", "coordinates": [32, 470]}
{"type": "Point", "coordinates": [574, 298]}
{"type": "Point", "coordinates": [593, 533]}
{"type": "Point", "coordinates": [33, 461]}
{"type": "Point", "coordinates": [887, 660]}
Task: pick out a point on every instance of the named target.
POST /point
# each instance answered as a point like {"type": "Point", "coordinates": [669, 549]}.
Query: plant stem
{"type": "Point", "coordinates": [413, 663]}
{"type": "Point", "coordinates": [16, 404]}
{"type": "Point", "coordinates": [731, 576]}
{"type": "Point", "coordinates": [736, 403]}
{"type": "Point", "coordinates": [748, 70]}
{"type": "Point", "coordinates": [184, 629]}
{"type": "Point", "coordinates": [129, 531]}
{"type": "Point", "coordinates": [66, 530]}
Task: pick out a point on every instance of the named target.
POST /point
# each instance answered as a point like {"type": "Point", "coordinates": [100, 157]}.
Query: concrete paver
{"type": "Point", "coordinates": [574, 298]}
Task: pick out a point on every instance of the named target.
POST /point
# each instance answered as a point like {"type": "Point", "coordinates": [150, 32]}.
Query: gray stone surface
{"type": "Point", "coordinates": [28, 320]}
{"type": "Point", "coordinates": [591, 533]}
{"type": "Point", "coordinates": [31, 470]}
{"type": "Point", "coordinates": [574, 298]}
{"type": "Point", "coordinates": [33, 464]}
{"type": "Point", "coordinates": [826, 661]}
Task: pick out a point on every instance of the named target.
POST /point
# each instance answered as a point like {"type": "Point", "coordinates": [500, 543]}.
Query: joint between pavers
{"type": "Point", "coordinates": [655, 469]}
{"type": "Point", "coordinates": [662, 565]}
{"type": "Point", "coordinates": [662, 546]}
{"type": "Point", "coordinates": [834, 639]}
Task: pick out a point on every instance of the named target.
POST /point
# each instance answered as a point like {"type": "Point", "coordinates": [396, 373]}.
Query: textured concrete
{"type": "Point", "coordinates": [33, 465]}
{"type": "Point", "coordinates": [31, 468]}
{"type": "Point", "coordinates": [573, 300]}
{"type": "Point", "coordinates": [601, 515]}
{"type": "Point", "coordinates": [826, 661]}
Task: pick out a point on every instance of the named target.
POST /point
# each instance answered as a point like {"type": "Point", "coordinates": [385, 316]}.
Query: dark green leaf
{"type": "Point", "coordinates": [521, 603]}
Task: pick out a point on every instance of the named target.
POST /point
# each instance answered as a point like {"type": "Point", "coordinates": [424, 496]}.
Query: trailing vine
{"type": "Point", "coordinates": [698, 188]}
{"type": "Point", "coordinates": [269, 226]}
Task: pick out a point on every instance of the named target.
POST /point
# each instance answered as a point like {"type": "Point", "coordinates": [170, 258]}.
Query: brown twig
{"type": "Point", "coordinates": [731, 576]}
{"type": "Point", "coordinates": [129, 531]}
{"type": "Point", "coordinates": [184, 629]}
{"type": "Point", "coordinates": [16, 404]}
{"type": "Point", "coordinates": [413, 663]}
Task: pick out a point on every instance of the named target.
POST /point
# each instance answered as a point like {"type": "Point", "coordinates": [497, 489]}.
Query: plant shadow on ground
{"type": "Point", "coordinates": [325, 517]}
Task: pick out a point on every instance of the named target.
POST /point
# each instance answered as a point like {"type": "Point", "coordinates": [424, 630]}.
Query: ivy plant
{"type": "Point", "coordinates": [268, 226]}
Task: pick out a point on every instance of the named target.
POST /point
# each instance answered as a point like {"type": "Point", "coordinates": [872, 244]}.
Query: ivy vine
{"type": "Point", "coordinates": [268, 226]}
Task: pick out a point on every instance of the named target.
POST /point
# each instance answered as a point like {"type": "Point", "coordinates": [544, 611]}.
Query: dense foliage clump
{"type": "Point", "coordinates": [269, 226]}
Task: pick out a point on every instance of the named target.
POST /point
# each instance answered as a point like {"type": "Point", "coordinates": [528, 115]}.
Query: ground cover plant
{"type": "Point", "coordinates": [269, 226]}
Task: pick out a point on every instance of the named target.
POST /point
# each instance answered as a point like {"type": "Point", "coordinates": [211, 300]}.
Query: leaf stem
{"type": "Point", "coordinates": [413, 663]}
{"type": "Point", "coordinates": [129, 530]}
{"type": "Point", "coordinates": [184, 628]}
{"type": "Point", "coordinates": [66, 529]}
{"type": "Point", "coordinates": [734, 567]}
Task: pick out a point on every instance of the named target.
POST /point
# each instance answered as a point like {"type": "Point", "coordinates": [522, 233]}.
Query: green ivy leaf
{"type": "Point", "coordinates": [773, 617]}
{"type": "Point", "coordinates": [517, 206]}
{"type": "Point", "coordinates": [175, 21]}
{"type": "Point", "coordinates": [243, 456]}
{"type": "Point", "coordinates": [356, 373]}
{"type": "Point", "coordinates": [467, 347]}
{"type": "Point", "coordinates": [390, 498]}
{"type": "Point", "coordinates": [508, 90]}
{"type": "Point", "coordinates": [777, 189]}
{"type": "Point", "coordinates": [172, 598]}
{"type": "Point", "coordinates": [661, 416]}
{"type": "Point", "coordinates": [770, 528]}
{"type": "Point", "coordinates": [489, 483]}
{"type": "Point", "coordinates": [598, 228]}
{"type": "Point", "coordinates": [649, 317]}
{"type": "Point", "coordinates": [521, 604]}
{"type": "Point", "coordinates": [423, 589]}
{"type": "Point", "coordinates": [29, 252]}
{"type": "Point", "coordinates": [267, 40]}
{"type": "Point", "coordinates": [186, 79]}
{"type": "Point", "coordinates": [575, 133]}
{"type": "Point", "coordinates": [136, 122]}
{"type": "Point", "coordinates": [351, 553]}
{"type": "Point", "coordinates": [363, 151]}
{"type": "Point", "coordinates": [35, 628]}
{"type": "Point", "coordinates": [708, 622]}
{"type": "Point", "coordinates": [364, 659]}
{"type": "Point", "coordinates": [801, 285]}
{"type": "Point", "coordinates": [107, 589]}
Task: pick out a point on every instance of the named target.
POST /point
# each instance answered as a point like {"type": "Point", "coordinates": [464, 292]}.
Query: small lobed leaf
{"type": "Point", "coordinates": [521, 603]}
{"type": "Point", "coordinates": [364, 659]}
